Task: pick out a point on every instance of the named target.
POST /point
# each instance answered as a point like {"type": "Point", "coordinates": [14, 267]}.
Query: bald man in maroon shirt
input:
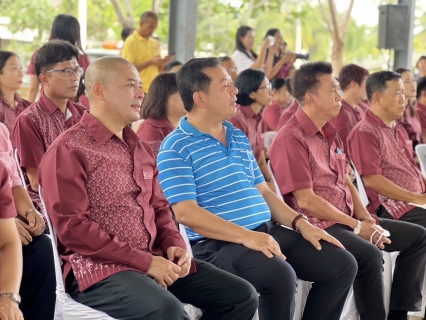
{"type": "Point", "coordinates": [122, 252]}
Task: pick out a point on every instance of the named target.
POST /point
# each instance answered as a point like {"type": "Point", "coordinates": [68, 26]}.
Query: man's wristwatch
{"type": "Point", "coordinates": [357, 229]}
{"type": "Point", "coordinates": [12, 295]}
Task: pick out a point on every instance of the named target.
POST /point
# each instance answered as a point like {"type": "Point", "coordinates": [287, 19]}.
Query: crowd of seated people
{"type": "Point", "coordinates": [157, 142]}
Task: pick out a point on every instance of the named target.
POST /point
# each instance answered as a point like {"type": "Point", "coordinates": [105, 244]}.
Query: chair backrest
{"type": "Point", "coordinates": [184, 234]}
{"type": "Point", "coordinates": [421, 153]}
{"type": "Point", "coordinates": [18, 163]}
{"type": "Point", "coordinates": [277, 188]}
{"type": "Point", "coordinates": [361, 188]}
{"type": "Point", "coordinates": [57, 259]}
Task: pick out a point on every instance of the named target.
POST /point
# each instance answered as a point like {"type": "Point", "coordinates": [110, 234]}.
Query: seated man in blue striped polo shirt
{"type": "Point", "coordinates": [211, 178]}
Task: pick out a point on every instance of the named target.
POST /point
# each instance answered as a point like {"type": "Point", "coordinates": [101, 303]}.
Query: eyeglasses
{"type": "Point", "coordinates": [267, 87]}
{"type": "Point", "coordinates": [231, 70]}
{"type": "Point", "coordinates": [69, 72]}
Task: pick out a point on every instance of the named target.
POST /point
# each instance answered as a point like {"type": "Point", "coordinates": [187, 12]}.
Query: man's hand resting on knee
{"type": "Point", "coordinates": [182, 258]}
{"type": "Point", "coordinates": [163, 271]}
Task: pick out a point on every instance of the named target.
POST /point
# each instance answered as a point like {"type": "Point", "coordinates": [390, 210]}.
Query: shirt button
{"type": "Point", "coordinates": [218, 143]}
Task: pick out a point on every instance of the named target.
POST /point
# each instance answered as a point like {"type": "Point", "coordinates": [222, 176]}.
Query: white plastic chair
{"type": "Point", "coordinates": [66, 307]}
{"type": "Point", "coordinates": [18, 163]}
{"type": "Point", "coordinates": [361, 188]}
{"type": "Point", "coordinates": [269, 137]}
{"type": "Point", "coordinates": [421, 153]}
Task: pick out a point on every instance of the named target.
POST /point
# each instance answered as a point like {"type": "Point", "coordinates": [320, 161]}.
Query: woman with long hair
{"type": "Point", "coordinates": [64, 27]}
{"type": "Point", "coordinates": [410, 120]}
{"type": "Point", "coordinates": [161, 110]}
{"type": "Point", "coordinates": [11, 75]}
{"type": "Point", "coordinates": [244, 56]}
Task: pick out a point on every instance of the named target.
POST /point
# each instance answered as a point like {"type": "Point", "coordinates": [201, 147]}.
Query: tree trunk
{"type": "Point", "coordinates": [125, 20]}
{"type": "Point", "coordinates": [337, 52]}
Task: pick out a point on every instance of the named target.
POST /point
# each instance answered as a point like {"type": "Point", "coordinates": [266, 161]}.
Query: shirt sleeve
{"type": "Point", "coordinates": [29, 142]}
{"type": "Point", "coordinates": [63, 177]}
{"type": "Point", "coordinates": [7, 206]}
{"type": "Point", "coordinates": [176, 177]}
{"type": "Point", "coordinates": [364, 152]}
{"type": "Point", "coordinates": [271, 116]}
{"type": "Point", "coordinates": [290, 163]}
{"type": "Point", "coordinates": [128, 51]}
{"type": "Point", "coordinates": [242, 61]}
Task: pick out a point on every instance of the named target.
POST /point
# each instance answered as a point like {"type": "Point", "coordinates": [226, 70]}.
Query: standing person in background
{"type": "Point", "coordinates": [11, 75]}
{"type": "Point", "coordinates": [281, 65]}
{"type": "Point", "coordinates": [229, 66]}
{"type": "Point", "coordinates": [143, 51]}
{"type": "Point", "coordinates": [244, 56]}
{"type": "Point", "coordinates": [281, 98]}
{"type": "Point", "coordinates": [10, 252]}
{"type": "Point", "coordinates": [64, 27]}
{"type": "Point", "coordinates": [254, 92]}
{"type": "Point", "coordinates": [161, 110]}
{"type": "Point", "coordinates": [421, 66]}
{"type": "Point", "coordinates": [410, 120]}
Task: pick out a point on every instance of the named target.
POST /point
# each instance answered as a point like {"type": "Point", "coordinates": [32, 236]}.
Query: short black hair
{"type": "Point", "coordinates": [171, 65]}
{"type": "Point", "coordinates": [271, 32]}
{"type": "Point", "coordinates": [288, 85]}
{"type": "Point", "coordinates": [421, 86]}
{"type": "Point", "coordinates": [277, 83]}
{"type": "Point", "coordinates": [225, 58]}
{"type": "Point", "coordinates": [247, 82]}
{"type": "Point", "coordinates": [306, 78]}
{"type": "Point", "coordinates": [191, 79]}
{"type": "Point", "coordinates": [148, 15]}
{"type": "Point", "coordinates": [376, 82]}
{"type": "Point", "coordinates": [127, 31]}
{"type": "Point", "coordinates": [162, 87]}
{"type": "Point", "coordinates": [53, 52]}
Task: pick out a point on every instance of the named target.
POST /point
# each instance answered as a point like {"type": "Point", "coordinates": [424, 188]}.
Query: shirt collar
{"type": "Point", "coordinates": [375, 120]}
{"type": "Point", "coordinates": [420, 106]}
{"type": "Point", "coordinates": [102, 134]}
{"type": "Point", "coordinates": [311, 129]}
{"type": "Point", "coordinates": [249, 113]}
{"type": "Point", "coordinates": [50, 107]}
{"type": "Point", "coordinates": [139, 37]}
{"type": "Point", "coordinates": [187, 128]}
{"type": "Point", "coordinates": [161, 123]}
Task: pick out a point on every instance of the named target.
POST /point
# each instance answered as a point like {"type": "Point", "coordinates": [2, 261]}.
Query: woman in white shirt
{"type": "Point", "coordinates": [243, 56]}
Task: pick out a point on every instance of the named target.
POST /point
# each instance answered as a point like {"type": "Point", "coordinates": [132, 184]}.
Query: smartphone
{"type": "Point", "coordinates": [271, 40]}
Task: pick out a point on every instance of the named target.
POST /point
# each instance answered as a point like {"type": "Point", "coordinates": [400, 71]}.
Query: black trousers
{"type": "Point", "coordinates": [416, 215]}
{"type": "Point", "coordinates": [131, 295]}
{"type": "Point", "coordinates": [38, 283]}
{"type": "Point", "coordinates": [332, 270]}
{"type": "Point", "coordinates": [406, 292]}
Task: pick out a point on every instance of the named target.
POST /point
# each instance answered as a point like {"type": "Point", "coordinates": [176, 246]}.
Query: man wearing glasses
{"type": "Point", "coordinates": [38, 126]}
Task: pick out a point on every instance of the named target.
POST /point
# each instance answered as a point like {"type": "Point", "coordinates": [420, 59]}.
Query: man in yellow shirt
{"type": "Point", "coordinates": [143, 51]}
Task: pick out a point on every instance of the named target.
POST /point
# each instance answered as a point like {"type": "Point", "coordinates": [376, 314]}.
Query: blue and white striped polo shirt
{"type": "Point", "coordinates": [196, 166]}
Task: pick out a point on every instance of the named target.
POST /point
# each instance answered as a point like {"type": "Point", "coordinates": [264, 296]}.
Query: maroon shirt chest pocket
{"type": "Point", "coordinates": [148, 179]}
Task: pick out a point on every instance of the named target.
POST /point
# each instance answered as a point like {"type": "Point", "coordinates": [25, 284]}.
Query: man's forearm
{"type": "Point", "coordinates": [388, 189]}
{"type": "Point", "coordinates": [321, 209]}
{"type": "Point", "coordinates": [360, 211]}
{"type": "Point", "coordinates": [207, 224]}
{"type": "Point", "coordinates": [22, 200]}
{"type": "Point", "coordinates": [143, 65]}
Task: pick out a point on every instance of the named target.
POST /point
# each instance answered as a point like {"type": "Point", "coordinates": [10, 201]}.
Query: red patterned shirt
{"type": "Point", "coordinates": [35, 130]}
{"type": "Point", "coordinates": [7, 158]}
{"type": "Point", "coordinates": [248, 122]}
{"type": "Point", "coordinates": [303, 158]}
{"type": "Point", "coordinates": [288, 113]}
{"type": "Point", "coordinates": [105, 202]}
{"type": "Point", "coordinates": [421, 111]}
{"type": "Point", "coordinates": [8, 115]}
{"type": "Point", "coordinates": [377, 149]}
{"type": "Point", "coordinates": [7, 206]}
{"type": "Point", "coordinates": [154, 131]}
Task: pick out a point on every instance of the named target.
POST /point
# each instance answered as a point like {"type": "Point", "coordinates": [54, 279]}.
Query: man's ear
{"type": "Point", "coordinates": [376, 98]}
{"type": "Point", "coordinates": [309, 99]}
{"type": "Point", "coordinates": [98, 90]}
{"type": "Point", "coordinates": [44, 79]}
{"type": "Point", "coordinates": [199, 99]}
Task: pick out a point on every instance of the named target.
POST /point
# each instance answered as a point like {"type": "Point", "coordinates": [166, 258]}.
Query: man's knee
{"type": "Point", "coordinates": [370, 259]}
{"type": "Point", "coordinates": [278, 277]}
{"type": "Point", "coordinates": [171, 308]}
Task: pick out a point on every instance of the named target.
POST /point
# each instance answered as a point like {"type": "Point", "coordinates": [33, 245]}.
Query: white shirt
{"type": "Point", "coordinates": [242, 61]}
